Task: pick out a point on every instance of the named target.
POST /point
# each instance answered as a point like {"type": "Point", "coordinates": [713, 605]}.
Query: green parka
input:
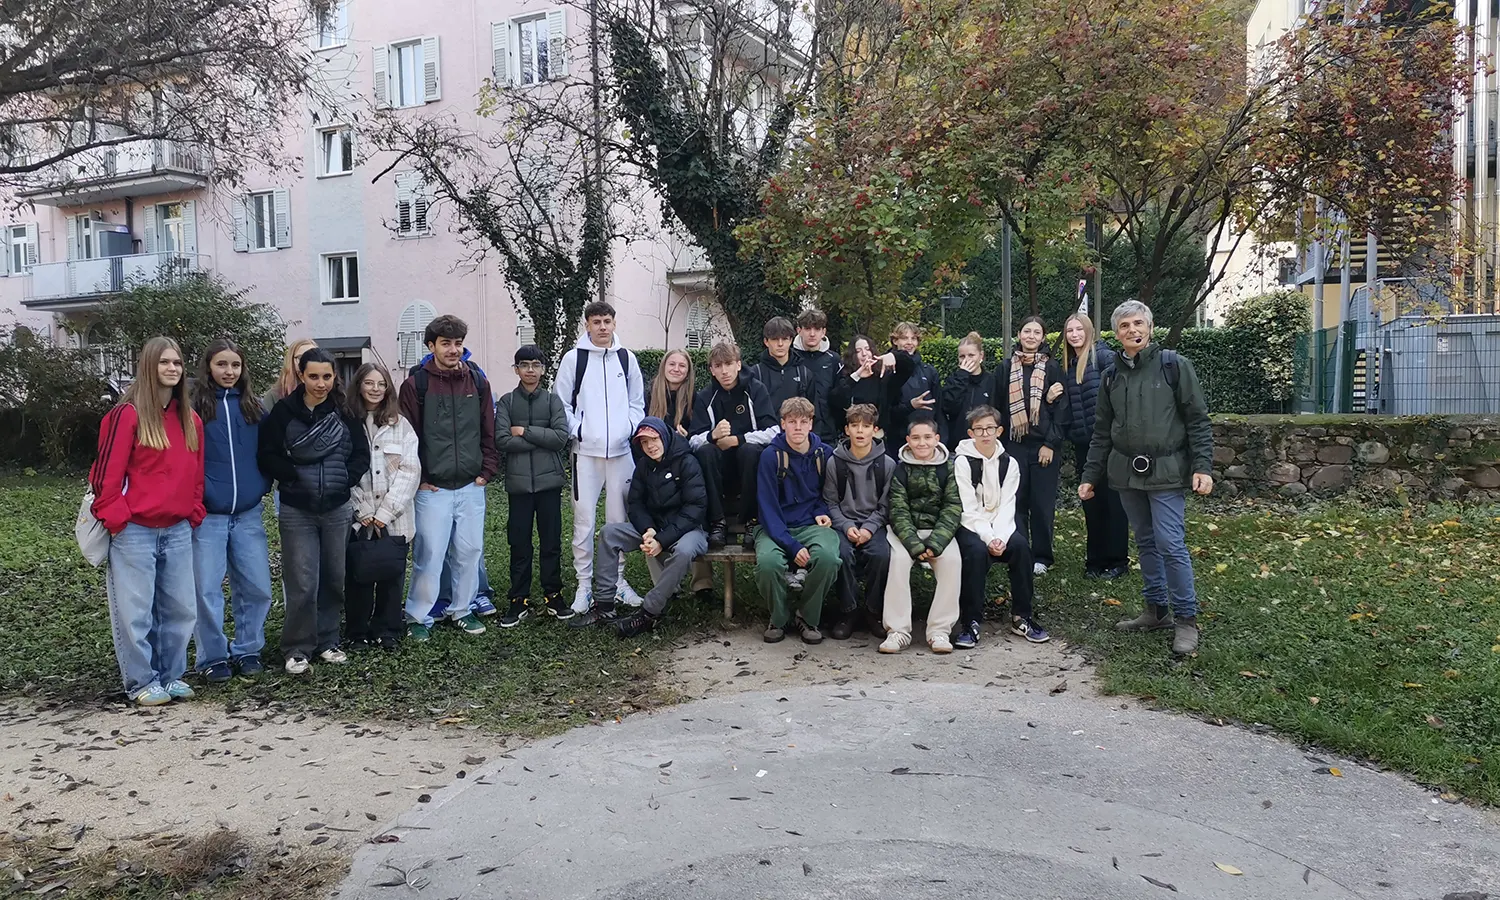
{"type": "Point", "coordinates": [924, 495]}
{"type": "Point", "coordinates": [1140, 413]}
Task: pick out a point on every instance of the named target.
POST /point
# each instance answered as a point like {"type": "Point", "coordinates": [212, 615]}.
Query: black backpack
{"type": "Point", "coordinates": [1169, 369]}
{"type": "Point", "coordinates": [841, 476]}
{"type": "Point", "coordinates": [420, 377]}
{"type": "Point", "coordinates": [582, 366]}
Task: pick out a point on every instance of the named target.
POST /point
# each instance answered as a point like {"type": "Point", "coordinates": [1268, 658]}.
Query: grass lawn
{"type": "Point", "coordinates": [1375, 633]}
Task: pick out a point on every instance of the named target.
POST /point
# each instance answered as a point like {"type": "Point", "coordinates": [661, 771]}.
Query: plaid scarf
{"type": "Point", "coordinates": [1020, 420]}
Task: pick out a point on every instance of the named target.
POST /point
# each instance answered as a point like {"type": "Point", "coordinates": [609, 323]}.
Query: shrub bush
{"type": "Point", "coordinates": [1277, 319]}
{"type": "Point", "coordinates": [53, 398]}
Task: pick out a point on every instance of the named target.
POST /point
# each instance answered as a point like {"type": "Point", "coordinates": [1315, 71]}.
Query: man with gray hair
{"type": "Point", "coordinates": [1153, 440]}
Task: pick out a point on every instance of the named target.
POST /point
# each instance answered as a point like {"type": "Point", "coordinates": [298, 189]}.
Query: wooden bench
{"type": "Point", "coordinates": [729, 555]}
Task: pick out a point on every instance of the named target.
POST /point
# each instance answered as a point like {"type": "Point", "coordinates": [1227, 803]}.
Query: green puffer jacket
{"type": "Point", "coordinates": [533, 460]}
{"type": "Point", "coordinates": [1140, 414]}
{"type": "Point", "coordinates": [924, 495]}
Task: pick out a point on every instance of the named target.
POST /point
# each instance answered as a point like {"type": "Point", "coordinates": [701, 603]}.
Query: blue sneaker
{"type": "Point", "coordinates": [179, 690]}
{"type": "Point", "coordinates": [439, 608]}
{"type": "Point", "coordinates": [483, 606]}
{"type": "Point", "coordinates": [249, 666]}
{"type": "Point", "coordinates": [1029, 629]}
{"type": "Point", "coordinates": [151, 695]}
{"type": "Point", "coordinates": [968, 636]}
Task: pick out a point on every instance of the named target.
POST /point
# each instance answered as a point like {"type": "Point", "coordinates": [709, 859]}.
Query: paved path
{"type": "Point", "coordinates": [924, 791]}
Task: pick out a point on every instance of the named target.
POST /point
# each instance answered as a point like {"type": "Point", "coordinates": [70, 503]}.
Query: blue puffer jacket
{"type": "Point", "coordinates": [232, 482]}
{"type": "Point", "coordinates": [1084, 398]}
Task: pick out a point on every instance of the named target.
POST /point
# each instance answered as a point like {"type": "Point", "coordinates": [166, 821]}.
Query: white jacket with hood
{"type": "Point", "coordinates": [611, 400]}
{"type": "Point", "coordinates": [990, 504]}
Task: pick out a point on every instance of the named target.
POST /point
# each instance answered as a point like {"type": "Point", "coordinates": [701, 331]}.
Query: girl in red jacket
{"type": "Point", "coordinates": [148, 492]}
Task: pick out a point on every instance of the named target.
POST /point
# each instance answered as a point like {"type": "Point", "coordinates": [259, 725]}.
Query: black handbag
{"type": "Point", "coordinates": [375, 555]}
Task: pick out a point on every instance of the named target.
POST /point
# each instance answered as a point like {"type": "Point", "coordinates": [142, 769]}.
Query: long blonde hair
{"type": "Point", "coordinates": [683, 392]}
{"type": "Point", "coordinates": [1079, 361]}
{"type": "Point", "coordinates": [288, 380]}
{"type": "Point", "coordinates": [150, 424]}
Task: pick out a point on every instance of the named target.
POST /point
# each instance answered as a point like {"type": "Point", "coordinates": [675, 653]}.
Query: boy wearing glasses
{"type": "Point", "coordinates": [531, 430]}
{"type": "Point", "coordinates": [988, 479]}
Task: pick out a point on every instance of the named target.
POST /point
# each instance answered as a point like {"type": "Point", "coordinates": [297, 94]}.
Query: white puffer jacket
{"type": "Point", "coordinates": [389, 490]}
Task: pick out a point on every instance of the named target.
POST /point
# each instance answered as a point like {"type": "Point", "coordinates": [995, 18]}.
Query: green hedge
{"type": "Point", "coordinates": [1219, 355]}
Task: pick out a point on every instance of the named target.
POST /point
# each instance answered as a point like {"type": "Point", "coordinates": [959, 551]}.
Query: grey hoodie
{"type": "Point", "coordinates": [861, 506]}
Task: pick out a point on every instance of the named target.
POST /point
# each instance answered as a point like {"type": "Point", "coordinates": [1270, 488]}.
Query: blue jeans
{"type": "Point", "coordinates": [235, 544]}
{"type": "Point", "coordinates": [1158, 519]}
{"type": "Point", "coordinates": [450, 530]}
{"type": "Point", "coordinates": [149, 582]}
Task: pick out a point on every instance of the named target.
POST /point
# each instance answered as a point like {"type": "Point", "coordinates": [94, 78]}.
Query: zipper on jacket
{"type": "Point", "coordinates": [604, 373]}
{"type": "Point", "coordinates": [234, 473]}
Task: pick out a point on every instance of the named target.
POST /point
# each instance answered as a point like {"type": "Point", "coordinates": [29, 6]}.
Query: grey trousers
{"type": "Point", "coordinates": [312, 574]}
{"type": "Point", "coordinates": [619, 538]}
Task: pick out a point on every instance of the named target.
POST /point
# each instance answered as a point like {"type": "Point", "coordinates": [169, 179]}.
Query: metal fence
{"type": "Point", "coordinates": [1413, 365]}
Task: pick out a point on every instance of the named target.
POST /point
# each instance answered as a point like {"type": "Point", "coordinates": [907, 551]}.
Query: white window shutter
{"type": "Point", "coordinates": [404, 223]}
{"type": "Point", "coordinates": [557, 43]}
{"type": "Point", "coordinates": [431, 87]}
{"type": "Point", "coordinates": [241, 224]}
{"type": "Point", "coordinates": [500, 52]}
{"type": "Point", "coordinates": [32, 244]}
{"type": "Point", "coordinates": [148, 230]}
{"type": "Point", "coordinates": [72, 237]}
{"type": "Point", "coordinates": [282, 206]}
{"type": "Point", "coordinates": [421, 206]}
{"type": "Point", "coordinates": [189, 228]}
{"type": "Point", "coordinates": [381, 57]}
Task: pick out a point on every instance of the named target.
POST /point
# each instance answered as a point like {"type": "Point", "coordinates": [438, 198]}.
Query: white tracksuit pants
{"type": "Point", "coordinates": [591, 474]}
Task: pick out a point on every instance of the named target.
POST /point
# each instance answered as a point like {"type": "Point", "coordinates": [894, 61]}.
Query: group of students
{"type": "Point", "coordinates": [365, 472]}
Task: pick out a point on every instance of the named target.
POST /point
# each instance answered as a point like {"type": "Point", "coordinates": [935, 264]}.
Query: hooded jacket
{"type": "Point", "coordinates": [924, 496]}
{"type": "Point", "coordinates": [534, 460]}
{"type": "Point", "coordinates": [667, 494]}
{"type": "Point", "coordinates": [151, 488]}
{"type": "Point", "coordinates": [455, 424]}
{"type": "Point", "coordinates": [824, 365]}
{"type": "Point", "coordinates": [1083, 398]}
{"type": "Point", "coordinates": [962, 392]}
{"type": "Point", "coordinates": [783, 381]}
{"type": "Point", "coordinates": [1140, 414]}
{"type": "Point", "coordinates": [792, 498]}
{"type": "Point", "coordinates": [232, 480]}
{"type": "Point", "coordinates": [989, 506]}
{"type": "Point", "coordinates": [866, 498]}
{"type": "Point", "coordinates": [611, 400]}
{"type": "Point", "coordinates": [747, 406]}
{"type": "Point", "coordinates": [317, 455]}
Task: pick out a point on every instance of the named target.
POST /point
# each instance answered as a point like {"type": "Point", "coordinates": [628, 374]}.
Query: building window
{"type": "Point", "coordinates": [332, 26]}
{"type": "Point", "coordinates": [697, 325]}
{"type": "Point", "coordinates": [336, 151]}
{"type": "Point", "coordinates": [169, 228]}
{"type": "Point", "coordinates": [532, 54]}
{"type": "Point", "coordinates": [18, 255]}
{"type": "Point", "coordinates": [406, 80]}
{"type": "Point", "coordinates": [261, 221]}
{"type": "Point", "coordinates": [413, 205]}
{"type": "Point", "coordinates": [525, 330]}
{"type": "Point", "coordinates": [531, 50]}
{"type": "Point", "coordinates": [410, 329]}
{"type": "Point", "coordinates": [342, 277]}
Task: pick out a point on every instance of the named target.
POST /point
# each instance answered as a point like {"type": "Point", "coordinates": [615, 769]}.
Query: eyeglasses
{"type": "Point", "coordinates": [531, 366]}
{"type": "Point", "coordinates": [985, 430]}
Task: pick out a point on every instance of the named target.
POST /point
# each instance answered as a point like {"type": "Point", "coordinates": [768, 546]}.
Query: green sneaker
{"type": "Point", "coordinates": [416, 631]}
{"type": "Point", "coordinates": [469, 624]}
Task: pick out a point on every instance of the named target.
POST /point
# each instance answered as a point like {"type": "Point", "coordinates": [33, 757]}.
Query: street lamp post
{"type": "Point", "coordinates": [947, 302]}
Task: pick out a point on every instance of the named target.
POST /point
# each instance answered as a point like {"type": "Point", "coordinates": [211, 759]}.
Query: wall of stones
{"type": "Point", "coordinates": [1420, 458]}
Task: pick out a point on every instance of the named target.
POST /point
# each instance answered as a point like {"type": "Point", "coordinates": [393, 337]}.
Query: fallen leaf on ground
{"type": "Point", "coordinates": [1248, 674]}
{"type": "Point", "coordinates": [1161, 884]}
{"type": "Point", "coordinates": [1061, 686]}
{"type": "Point", "coordinates": [1112, 601]}
{"type": "Point", "coordinates": [1436, 721]}
{"type": "Point", "coordinates": [1227, 869]}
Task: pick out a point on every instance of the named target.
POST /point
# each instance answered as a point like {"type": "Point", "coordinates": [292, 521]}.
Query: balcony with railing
{"type": "Point", "coordinates": [80, 284]}
{"type": "Point", "coordinates": [136, 169]}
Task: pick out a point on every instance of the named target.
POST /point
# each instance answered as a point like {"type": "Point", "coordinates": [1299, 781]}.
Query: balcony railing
{"type": "Point", "coordinates": [135, 169]}
{"type": "Point", "coordinates": [79, 280]}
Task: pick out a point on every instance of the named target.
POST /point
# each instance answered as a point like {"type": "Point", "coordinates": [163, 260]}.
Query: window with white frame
{"type": "Point", "coordinates": [331, 28]}
{"type": "Point", "coordinates": [20, 249]}
{"type": "Point", "coordinates": [335, 151]}
{"type": "Point", "coordinates": [407, 73]}
{"type": "Point", "coordinates": [697, 325]}
{"type": "Point", "coordinates": [340, 277]}
{"type": "Point", "coordinates": [525, 329]}
{"type": "Point", "coordinates": [413, 205]}
{"type": "Point", "coordinates": [531, 49]}
{"type": "Point", "coordinates": [260, 221]}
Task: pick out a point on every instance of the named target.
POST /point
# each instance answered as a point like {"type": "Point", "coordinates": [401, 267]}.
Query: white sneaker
{"type": "Point", "coordinates": [297, 665]}
{"type": "Point", "coordinates": [940, 644]}
{"type": "Point", "coordinates": [895, 642]}
{"type": "Point", "coordinates": [626, 594]}
{"type": "Point", "coordinates": [333, 655]}
{"type": "Point", "coordinates": [1039, 569]}
{"type": "Point", "coordinates": [582, 600]}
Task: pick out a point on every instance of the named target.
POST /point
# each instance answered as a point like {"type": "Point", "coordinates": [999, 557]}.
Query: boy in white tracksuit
{"type": "Point", "coordinates": [600, 384]}
{"type": "Point", "coordinates": [988, 480]}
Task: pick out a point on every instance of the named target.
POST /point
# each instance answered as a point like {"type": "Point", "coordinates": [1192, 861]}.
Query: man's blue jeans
{"type": "Point", "coordinates": [235, 544]}
{"type": "Point", "coordinates": [450, 528]}
{"type": "Point", "coordinates": [1158, 519]}
{"type": "Point", "coordinates": [152, 603]}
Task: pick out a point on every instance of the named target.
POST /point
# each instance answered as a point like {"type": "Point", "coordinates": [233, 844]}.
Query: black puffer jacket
{"type": "Point", "coordinates": [923, 379]}
{"type": "Point", "coordinates": [1083, 399]}
{"type": "Point", "coordinates": [316, 455]}
{"type": "Point", "coordinates": [666, 494]}
{"type": "Point", "coordinates": [962, 392]}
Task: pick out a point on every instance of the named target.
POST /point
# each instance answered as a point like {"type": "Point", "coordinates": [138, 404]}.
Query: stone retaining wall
{"type": "Point", "coordinates": [1417, 457]}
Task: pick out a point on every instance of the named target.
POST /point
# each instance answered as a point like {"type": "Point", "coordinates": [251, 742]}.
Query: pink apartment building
{"type": "Point", "coordinates": [359, 266]}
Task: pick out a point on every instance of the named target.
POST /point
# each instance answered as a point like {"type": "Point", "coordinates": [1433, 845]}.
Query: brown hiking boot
{"type": "Point", "coordinates": [1155, 618]}
{"type": "Point", "coordinates": [1185, 641]}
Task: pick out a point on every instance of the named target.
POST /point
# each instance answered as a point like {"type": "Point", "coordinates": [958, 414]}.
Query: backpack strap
{"type": "Point", "coordinates": [882, 475]}
{"type": "Point", "coordinates": [581, 365]}
{"type": "Point", "coordinates": [976, 472]}
{"type": "Point", "coordinates": [419, 379]}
